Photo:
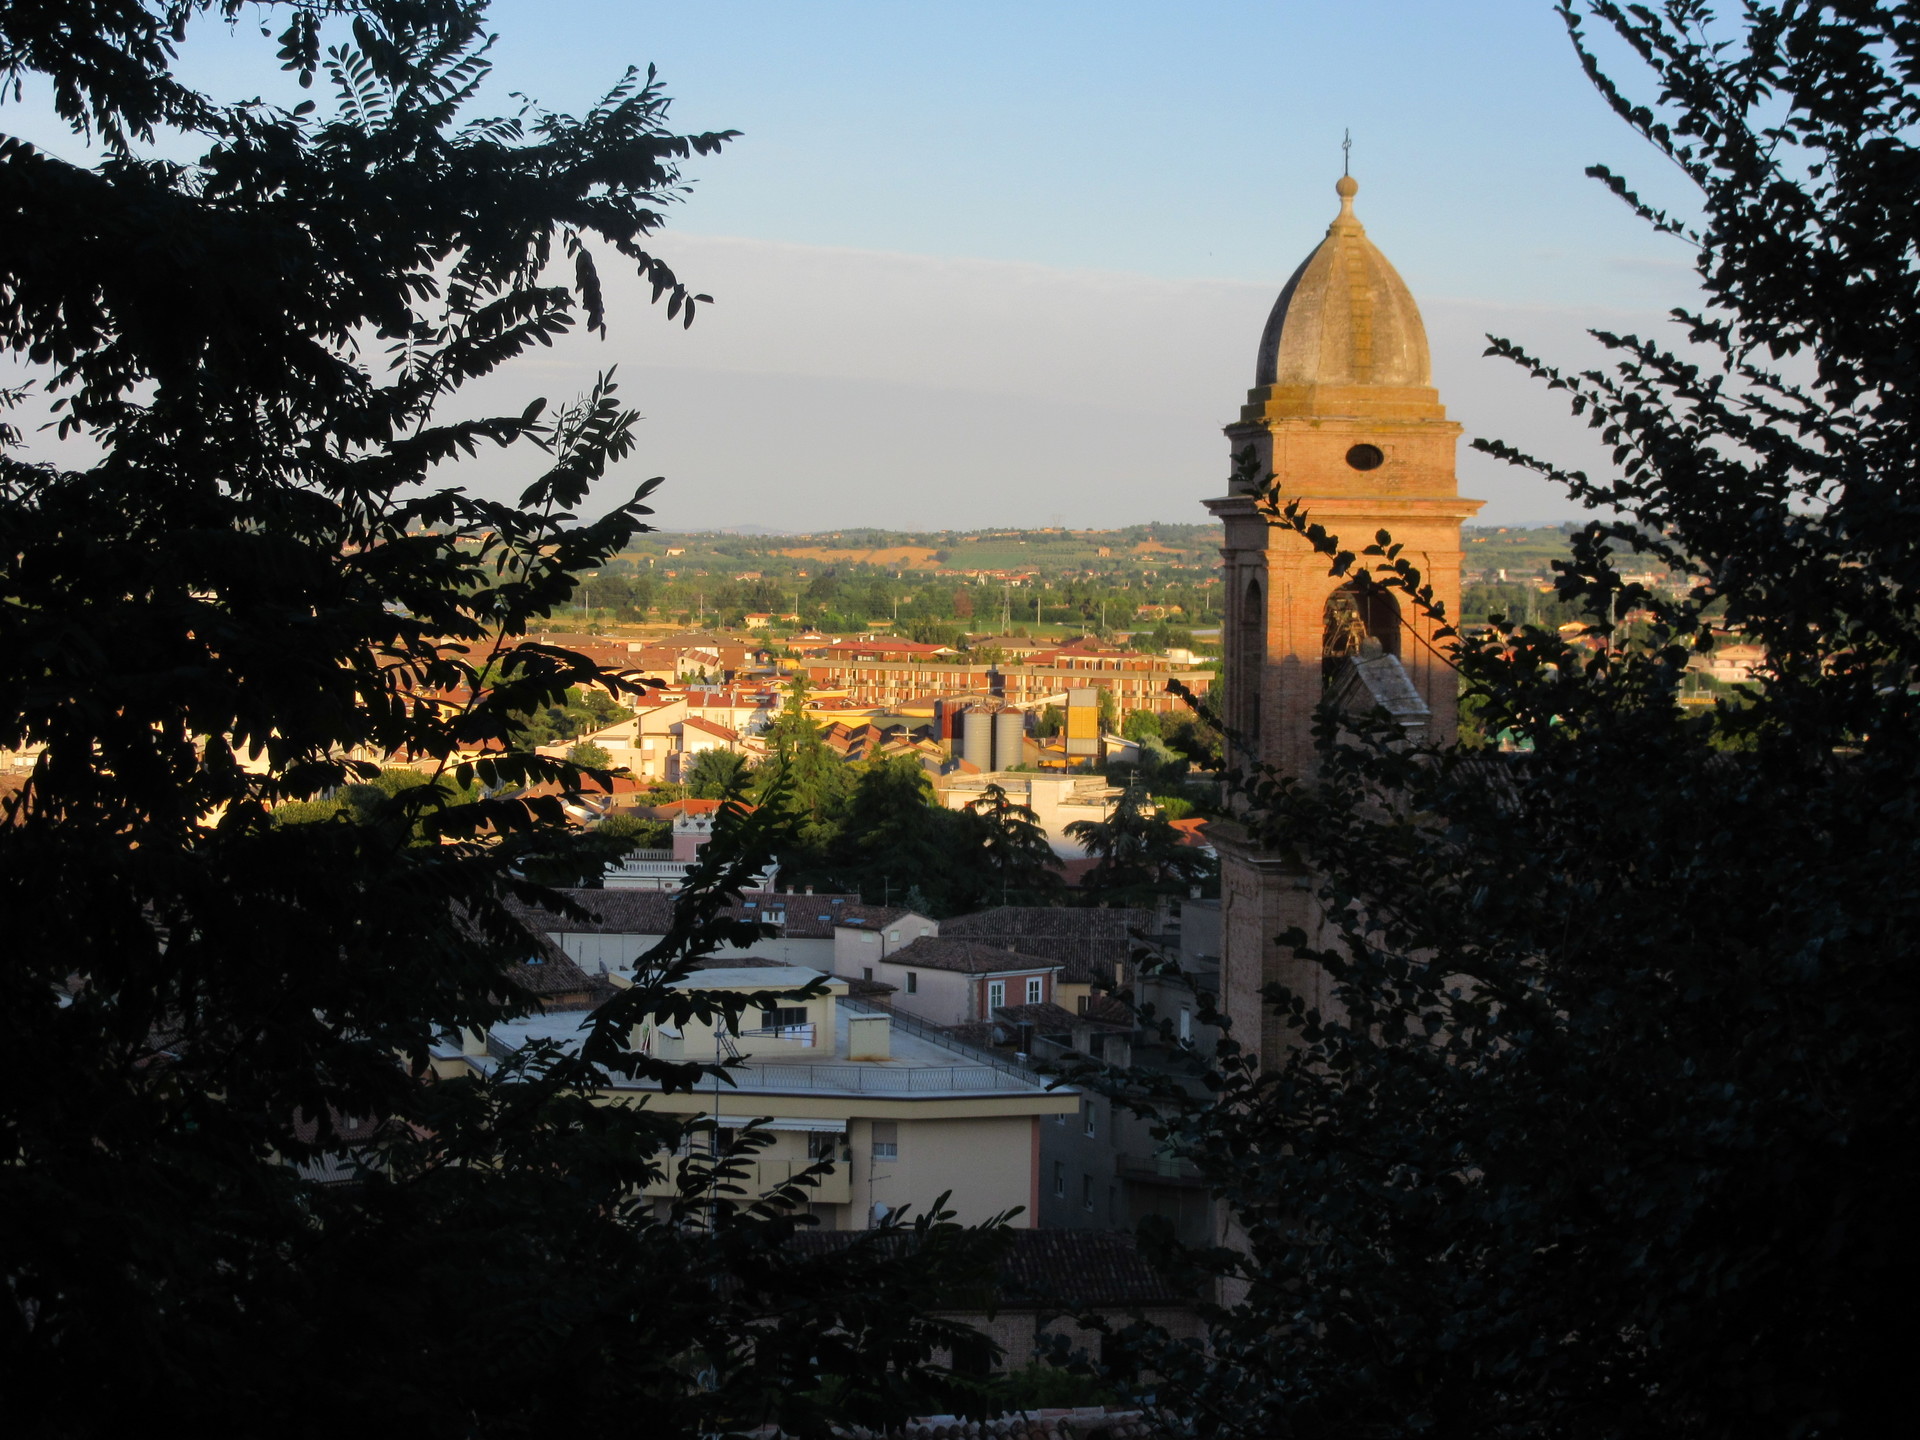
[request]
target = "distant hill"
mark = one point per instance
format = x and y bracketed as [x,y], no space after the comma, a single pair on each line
[1136,550]
[936,583]
[1525,552]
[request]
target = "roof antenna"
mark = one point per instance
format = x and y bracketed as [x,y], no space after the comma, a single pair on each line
[1346,152]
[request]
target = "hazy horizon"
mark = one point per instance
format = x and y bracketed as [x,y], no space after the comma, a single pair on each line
[996,263]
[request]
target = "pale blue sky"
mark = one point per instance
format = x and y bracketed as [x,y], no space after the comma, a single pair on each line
[1183,140]
[987,263]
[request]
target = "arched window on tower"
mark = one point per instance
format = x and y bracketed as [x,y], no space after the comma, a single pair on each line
[1357,612]
[1250,652]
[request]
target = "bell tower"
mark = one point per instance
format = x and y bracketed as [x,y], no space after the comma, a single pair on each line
[1344,414]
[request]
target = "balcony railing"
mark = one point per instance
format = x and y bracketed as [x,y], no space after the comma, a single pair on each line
[833,1188]
[914,1025]
[874,1079]
[1163,1168]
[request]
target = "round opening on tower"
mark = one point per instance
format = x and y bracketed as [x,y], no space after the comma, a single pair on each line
[1366,457]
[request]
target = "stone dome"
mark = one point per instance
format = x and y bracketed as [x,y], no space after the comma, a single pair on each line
[1346,317]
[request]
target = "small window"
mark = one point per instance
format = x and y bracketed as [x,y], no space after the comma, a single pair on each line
[1060,1179]
[913,982]
[869,939]
[826,1145]
[1186,1023]
[1086,1193]
[1035,988]
[925,931]
[1088,1116]
[893,936]
[886,1140]
[779,1018]
[973,1356]
[996,994]
[866,972]
[1366,457]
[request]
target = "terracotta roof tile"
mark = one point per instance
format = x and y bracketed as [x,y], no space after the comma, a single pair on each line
[1088,944]
[870,917]
[650,912]
[550,974]
[966,957]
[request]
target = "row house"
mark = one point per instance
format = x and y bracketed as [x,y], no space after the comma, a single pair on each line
[644,742]
[1137,686]
[873,648]
[692,737]
[660,739]
[893,682]
[744,710]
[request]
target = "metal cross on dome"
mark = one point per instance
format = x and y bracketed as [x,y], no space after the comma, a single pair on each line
[1346,152]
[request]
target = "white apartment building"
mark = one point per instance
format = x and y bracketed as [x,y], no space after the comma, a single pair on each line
[1056,800]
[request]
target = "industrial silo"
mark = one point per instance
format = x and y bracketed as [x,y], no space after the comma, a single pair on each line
[976,738]
[1009,739]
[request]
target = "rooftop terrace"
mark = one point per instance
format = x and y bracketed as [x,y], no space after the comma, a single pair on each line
[919,1064]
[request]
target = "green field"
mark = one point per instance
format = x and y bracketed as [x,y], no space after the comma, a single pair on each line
[942,581]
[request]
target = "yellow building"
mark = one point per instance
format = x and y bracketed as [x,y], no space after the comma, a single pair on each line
[901,1116]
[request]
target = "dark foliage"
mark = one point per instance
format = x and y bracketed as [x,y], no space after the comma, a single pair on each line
[714,773]
[1611,1129]
[262,578]
[1140,855]
[876,827]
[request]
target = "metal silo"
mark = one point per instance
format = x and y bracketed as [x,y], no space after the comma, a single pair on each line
[976,738]
[1009,739]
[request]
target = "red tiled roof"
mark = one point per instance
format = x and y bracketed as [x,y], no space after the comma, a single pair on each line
[674,809]
[1088,943]
[965,957]
[869,917]
[650,912]
[1046,1017]
[1106,1011]
[1074,871]
[1192,830]
[711,728]
[550,975]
